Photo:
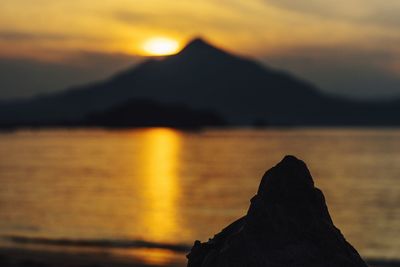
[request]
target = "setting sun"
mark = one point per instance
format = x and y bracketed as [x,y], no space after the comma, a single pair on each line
[161,46]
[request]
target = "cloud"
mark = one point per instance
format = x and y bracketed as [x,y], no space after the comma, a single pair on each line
[346,71]
[24,36]
[43,77]
[40,36]
[367,12]
[179,21]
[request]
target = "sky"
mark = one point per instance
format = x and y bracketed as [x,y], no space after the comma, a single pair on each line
[345,47]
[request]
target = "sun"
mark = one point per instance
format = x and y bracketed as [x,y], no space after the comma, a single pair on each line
[160,46]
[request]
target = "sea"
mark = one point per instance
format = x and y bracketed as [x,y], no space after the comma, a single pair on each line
[149,193]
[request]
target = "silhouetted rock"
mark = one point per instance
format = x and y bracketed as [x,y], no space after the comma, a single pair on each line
[287,225]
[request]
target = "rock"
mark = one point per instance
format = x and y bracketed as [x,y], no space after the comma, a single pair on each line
[287,225]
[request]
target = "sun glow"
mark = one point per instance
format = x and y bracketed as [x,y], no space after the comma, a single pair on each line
[160,46]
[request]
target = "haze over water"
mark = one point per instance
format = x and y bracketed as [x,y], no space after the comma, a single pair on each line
[165,186]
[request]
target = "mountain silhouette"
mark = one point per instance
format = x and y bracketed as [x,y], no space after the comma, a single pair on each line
[203,76]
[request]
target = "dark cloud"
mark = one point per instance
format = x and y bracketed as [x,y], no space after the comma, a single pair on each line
[24,77]
[346,71]
[25,36]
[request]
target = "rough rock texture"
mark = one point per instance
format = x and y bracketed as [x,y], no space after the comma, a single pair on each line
[287,225]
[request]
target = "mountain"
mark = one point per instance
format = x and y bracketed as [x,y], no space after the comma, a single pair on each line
[203,76]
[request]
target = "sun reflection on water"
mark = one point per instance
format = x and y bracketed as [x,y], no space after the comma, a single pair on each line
[161,149]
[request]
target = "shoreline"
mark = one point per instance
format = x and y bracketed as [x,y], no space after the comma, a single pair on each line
[24,257]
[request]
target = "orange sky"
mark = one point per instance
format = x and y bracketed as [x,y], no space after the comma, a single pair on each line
[42,27]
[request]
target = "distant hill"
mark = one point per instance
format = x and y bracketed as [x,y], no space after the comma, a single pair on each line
[202,76]
[145,113]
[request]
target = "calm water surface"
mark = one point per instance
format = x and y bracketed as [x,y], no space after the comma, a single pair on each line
[162,185]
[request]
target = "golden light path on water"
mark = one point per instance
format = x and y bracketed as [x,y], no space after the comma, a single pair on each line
[160,167]
[160,158]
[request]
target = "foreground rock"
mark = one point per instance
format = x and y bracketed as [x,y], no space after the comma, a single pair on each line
[287,225]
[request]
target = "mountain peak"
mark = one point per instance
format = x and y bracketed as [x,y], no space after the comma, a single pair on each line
[198,41]
[199,45]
